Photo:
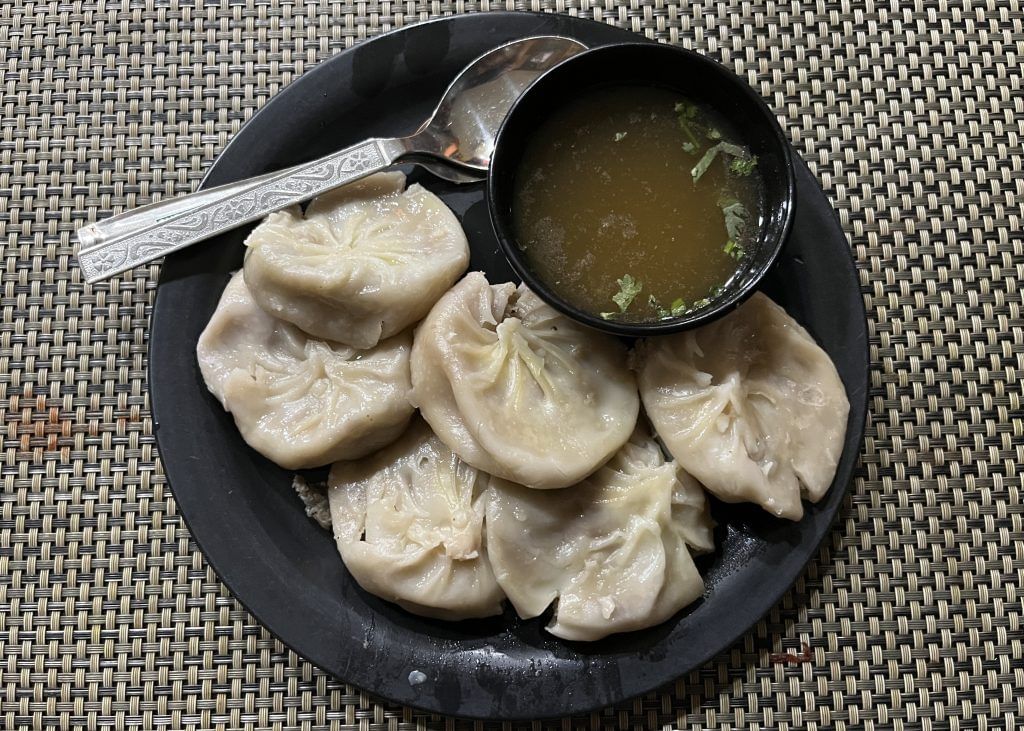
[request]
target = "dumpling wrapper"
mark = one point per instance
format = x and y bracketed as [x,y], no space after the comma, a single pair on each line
[299,401]
[365,262]
[408,523]
[750,405]
[518,390]
[613,550]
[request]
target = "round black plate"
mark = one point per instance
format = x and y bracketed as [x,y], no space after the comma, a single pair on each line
[285,570]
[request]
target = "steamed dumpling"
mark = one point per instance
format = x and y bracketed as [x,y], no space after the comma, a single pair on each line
[299,401]
[750,405]
[408,522]
[518,390]
[365,262]
[612,551]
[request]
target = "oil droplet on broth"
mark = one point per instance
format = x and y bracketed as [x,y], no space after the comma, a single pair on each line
[605,189]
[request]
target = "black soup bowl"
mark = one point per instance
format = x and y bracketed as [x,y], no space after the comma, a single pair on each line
[701,80]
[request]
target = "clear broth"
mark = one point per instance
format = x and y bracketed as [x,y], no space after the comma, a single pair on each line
[605,189]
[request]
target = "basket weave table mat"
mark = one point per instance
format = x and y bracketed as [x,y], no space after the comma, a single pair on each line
[910,114]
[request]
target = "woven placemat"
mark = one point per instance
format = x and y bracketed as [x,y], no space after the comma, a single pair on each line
[912,117]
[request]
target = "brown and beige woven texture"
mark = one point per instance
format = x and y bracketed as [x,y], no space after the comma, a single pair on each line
[911,114]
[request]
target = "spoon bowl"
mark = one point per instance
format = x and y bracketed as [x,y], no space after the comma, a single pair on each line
[465,124]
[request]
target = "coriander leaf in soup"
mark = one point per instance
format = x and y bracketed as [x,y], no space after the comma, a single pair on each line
[734,250]
[629,288]
[687,113]
[704,163]
[735,218]
[732,150]
[677,308]
[686,110]
[656,306]
[742,167]
[619,136]
[737,152]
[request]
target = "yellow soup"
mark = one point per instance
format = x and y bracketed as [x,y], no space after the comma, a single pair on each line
[635,204]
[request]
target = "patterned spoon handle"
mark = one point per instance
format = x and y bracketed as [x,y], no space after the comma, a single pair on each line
[142,217]
[137,219]
[213,214]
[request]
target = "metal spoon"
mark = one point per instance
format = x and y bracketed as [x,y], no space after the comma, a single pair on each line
[460,133]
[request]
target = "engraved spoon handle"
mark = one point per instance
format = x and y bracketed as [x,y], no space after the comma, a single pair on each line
[129,222]
[214,214]
[98,233]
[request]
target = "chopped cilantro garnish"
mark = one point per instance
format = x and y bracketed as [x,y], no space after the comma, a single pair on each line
[726,148]
[686,109]
[677,308]
[608,315]
[705,301]
[735,224]
[740,166]
[687,113]
[713,134]
[629,288]
[735,218]
[734,150]
[734,250]
[656,306]
[705,162]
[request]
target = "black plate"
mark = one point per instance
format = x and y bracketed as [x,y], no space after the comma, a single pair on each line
[285,570]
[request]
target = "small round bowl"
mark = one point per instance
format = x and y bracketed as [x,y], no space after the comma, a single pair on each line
[696,77]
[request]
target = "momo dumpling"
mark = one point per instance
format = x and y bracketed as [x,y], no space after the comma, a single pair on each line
[613,551]
[750,405]
[518,390]
[365,262]
[409,525]
[299,401]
